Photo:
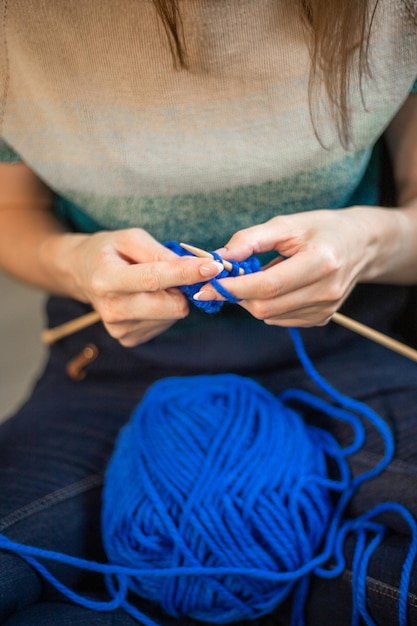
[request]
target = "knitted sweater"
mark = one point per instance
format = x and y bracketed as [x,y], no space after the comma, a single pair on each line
[92,102]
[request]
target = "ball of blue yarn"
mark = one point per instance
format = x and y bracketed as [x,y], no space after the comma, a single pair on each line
[219,484]
[217,503]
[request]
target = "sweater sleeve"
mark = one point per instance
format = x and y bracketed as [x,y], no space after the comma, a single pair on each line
[7,154]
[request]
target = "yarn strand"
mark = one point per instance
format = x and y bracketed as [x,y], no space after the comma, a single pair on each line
[218,504]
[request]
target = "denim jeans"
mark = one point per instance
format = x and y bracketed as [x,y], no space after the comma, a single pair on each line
[54,451]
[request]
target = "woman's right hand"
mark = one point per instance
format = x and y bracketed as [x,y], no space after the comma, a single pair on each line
[129,278]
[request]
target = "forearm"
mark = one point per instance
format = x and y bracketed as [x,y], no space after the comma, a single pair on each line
[33,246]
[392,246]
[399,226]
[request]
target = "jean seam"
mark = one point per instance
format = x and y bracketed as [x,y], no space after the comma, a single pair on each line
[396,466]
[383,589]
[96,480]
[55,497]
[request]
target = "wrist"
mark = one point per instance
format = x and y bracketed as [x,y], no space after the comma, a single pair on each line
[389,246]
[57,257]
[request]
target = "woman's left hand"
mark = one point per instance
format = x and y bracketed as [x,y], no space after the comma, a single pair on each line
[326,253]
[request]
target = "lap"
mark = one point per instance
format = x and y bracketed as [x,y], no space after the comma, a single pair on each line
[54,452]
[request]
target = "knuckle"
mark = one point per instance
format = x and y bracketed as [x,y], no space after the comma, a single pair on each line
[129,342]
[132,235]
[125,336]
[122,333]
[328,312]
[241,237]
[335,292]
[187,273]
[150,279]
[178,306]
[135,232]
[260,311]
[114,331]
[108,315]
[324,321]
[269,288]
[184,273]
[182,309]
[110,310]
[331,262]
[98,284]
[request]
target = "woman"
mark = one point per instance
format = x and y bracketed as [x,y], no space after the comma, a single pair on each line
[226,124]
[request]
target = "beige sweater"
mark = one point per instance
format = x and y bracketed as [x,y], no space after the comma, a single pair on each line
[91,101]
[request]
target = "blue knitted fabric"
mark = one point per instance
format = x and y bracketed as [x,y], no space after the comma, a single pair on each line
[213,306]
[217,502]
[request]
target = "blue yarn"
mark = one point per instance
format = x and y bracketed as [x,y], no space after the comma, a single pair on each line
[213,306]
[217,503]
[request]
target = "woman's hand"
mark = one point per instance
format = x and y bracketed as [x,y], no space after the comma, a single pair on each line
[326,253]
[129,278]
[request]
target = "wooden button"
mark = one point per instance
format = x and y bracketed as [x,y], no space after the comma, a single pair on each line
[76,366]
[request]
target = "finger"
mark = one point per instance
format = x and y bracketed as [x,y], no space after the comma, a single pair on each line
[312,305]
[153,277]
[296,273]
[257,239]
[130,335]
[139,246]
[310,315]
[133,308]
[297,322]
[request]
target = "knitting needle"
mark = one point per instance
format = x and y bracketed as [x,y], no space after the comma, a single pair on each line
[338,318]
[207,255]
[51,335]
[375,335]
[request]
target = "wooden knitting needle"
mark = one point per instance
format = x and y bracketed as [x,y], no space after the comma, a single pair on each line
[207,255]
[51,335]
[375,335]
[338,318]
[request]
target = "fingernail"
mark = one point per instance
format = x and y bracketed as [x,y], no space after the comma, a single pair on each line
[211,269]
[205,295]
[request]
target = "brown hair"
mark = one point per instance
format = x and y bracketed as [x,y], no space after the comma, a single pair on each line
[339,34]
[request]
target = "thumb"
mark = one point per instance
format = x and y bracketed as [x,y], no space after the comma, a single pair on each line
[251,241]
[138,246]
